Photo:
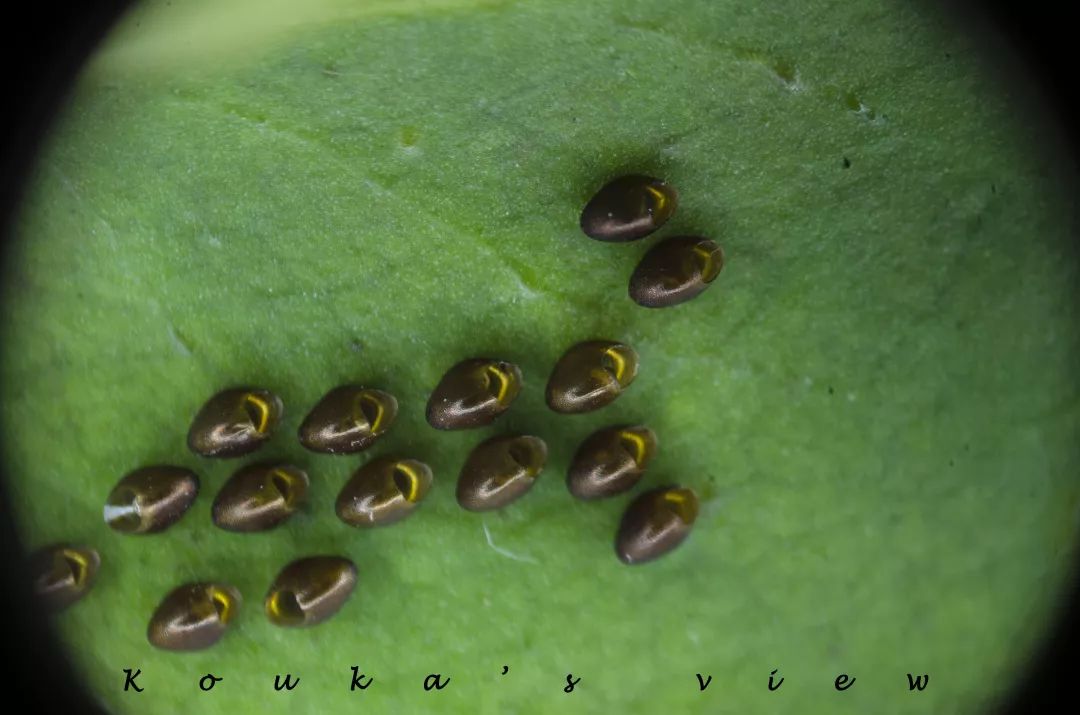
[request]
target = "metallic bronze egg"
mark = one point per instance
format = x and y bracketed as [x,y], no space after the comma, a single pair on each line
[63,573]
[348,419]
[259,497]
[655,523]
[150,499]
[590,375]
[675,270]
[310,590]
[473,393]
[383,491]
[499,471]
[628,208]
[235,422]
[610,461]
[193,616]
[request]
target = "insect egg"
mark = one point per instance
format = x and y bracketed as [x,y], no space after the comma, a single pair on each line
[383,491]
[310,590]
[63,573]
[591,375]
[499,471]
[628,208]
[473,393]
[193,616]
[150,499]
[610,461]
[655,523]
[259,497]
[348,419]
[234,422]
[675,270]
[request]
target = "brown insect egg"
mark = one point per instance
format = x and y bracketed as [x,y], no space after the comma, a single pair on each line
[610,461]
[234,422]
[628,208]
[473,393]
[499,471]
[383,491]
[655,523]
[63,573]
[675,270]
[348,419]
[591,375]
[150,499]
[310,590]
[259,497]
[193,616]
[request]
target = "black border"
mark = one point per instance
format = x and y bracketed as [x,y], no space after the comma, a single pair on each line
[43,51]
[44,47]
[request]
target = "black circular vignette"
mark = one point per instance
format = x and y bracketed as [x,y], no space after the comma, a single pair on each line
[54,44]
[44,49]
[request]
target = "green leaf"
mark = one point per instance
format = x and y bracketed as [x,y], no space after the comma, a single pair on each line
[877,400]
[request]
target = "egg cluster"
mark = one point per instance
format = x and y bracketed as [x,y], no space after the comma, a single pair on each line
[351,418]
